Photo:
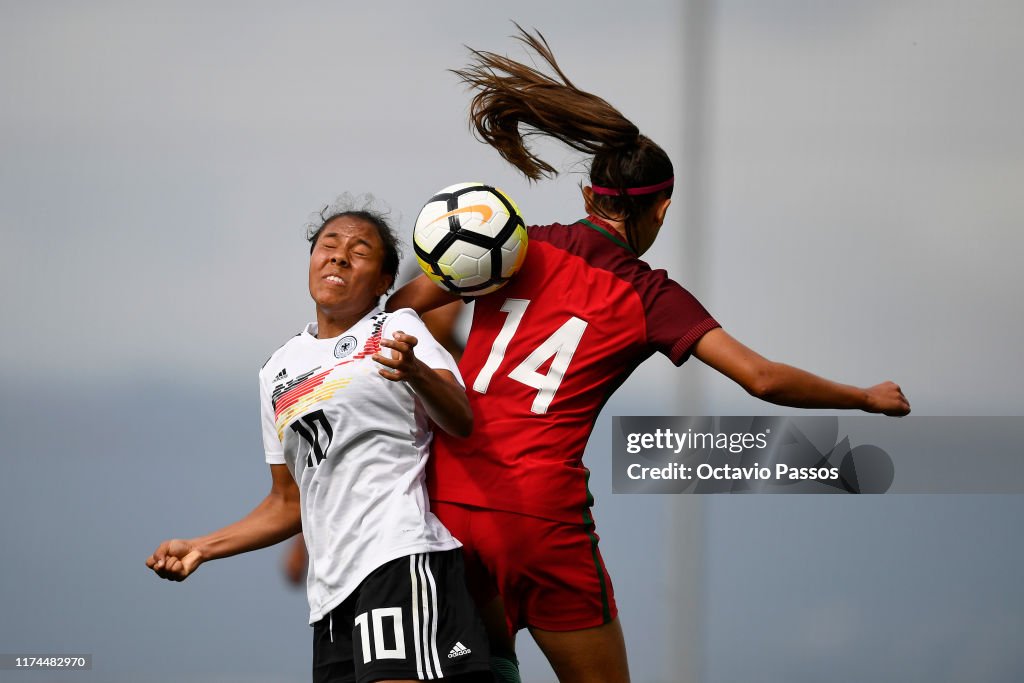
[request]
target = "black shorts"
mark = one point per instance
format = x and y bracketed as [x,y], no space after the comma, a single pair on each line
[412,618]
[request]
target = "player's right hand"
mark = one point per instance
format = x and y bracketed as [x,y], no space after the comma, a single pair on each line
[175,559]
[887,398]
[296,561]
[401,366]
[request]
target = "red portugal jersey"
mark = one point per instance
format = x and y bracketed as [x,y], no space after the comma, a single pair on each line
[544,354]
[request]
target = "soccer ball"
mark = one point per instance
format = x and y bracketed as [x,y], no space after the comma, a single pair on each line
[470,238]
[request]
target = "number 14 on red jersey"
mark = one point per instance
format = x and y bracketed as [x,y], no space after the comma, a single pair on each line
[561,345]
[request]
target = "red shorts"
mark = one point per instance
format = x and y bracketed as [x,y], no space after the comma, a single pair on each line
[550,575]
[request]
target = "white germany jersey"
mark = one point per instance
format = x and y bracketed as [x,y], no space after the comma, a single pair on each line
[357,445]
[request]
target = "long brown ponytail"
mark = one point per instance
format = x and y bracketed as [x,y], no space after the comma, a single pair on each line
[514,101]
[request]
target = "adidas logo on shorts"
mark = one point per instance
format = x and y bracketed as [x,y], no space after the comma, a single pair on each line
[458,651]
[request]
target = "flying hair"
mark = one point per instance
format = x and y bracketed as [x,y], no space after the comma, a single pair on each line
[629,172]
[515,101]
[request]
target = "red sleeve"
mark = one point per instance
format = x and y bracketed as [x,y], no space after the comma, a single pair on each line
[675,319]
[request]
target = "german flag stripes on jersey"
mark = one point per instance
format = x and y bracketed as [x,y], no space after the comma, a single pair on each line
[295,397]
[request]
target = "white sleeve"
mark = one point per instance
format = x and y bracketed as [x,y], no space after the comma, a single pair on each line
[271,442]
[427,349]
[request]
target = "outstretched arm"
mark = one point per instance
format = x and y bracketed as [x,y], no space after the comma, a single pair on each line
[789,386]
[421,295]
[272,521]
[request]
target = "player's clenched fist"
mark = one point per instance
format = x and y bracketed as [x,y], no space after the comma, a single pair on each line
[887,398]
[175,559]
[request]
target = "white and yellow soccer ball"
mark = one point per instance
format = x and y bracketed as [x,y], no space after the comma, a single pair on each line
[470,238]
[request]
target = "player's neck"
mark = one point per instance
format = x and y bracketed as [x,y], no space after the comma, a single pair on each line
[332,323]
[614,226]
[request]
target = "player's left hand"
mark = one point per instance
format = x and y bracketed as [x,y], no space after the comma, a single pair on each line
[402,365]
[887,398]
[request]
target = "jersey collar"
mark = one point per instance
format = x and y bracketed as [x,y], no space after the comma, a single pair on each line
[601,226]
[311,329]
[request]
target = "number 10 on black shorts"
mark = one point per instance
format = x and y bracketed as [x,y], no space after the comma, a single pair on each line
[412,618]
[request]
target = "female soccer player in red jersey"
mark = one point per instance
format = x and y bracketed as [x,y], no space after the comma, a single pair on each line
[546,351]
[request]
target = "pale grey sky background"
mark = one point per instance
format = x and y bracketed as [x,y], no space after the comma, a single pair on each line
[862,194]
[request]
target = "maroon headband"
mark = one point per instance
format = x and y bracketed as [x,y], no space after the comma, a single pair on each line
[633,191]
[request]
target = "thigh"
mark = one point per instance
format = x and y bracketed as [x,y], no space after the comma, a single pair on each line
[414,619]
[564,585]
[548,574]
[594,655]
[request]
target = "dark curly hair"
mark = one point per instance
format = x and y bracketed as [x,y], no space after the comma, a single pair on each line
[363,208]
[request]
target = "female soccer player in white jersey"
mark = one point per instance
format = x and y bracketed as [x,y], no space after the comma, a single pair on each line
[546,351]
[346,435]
